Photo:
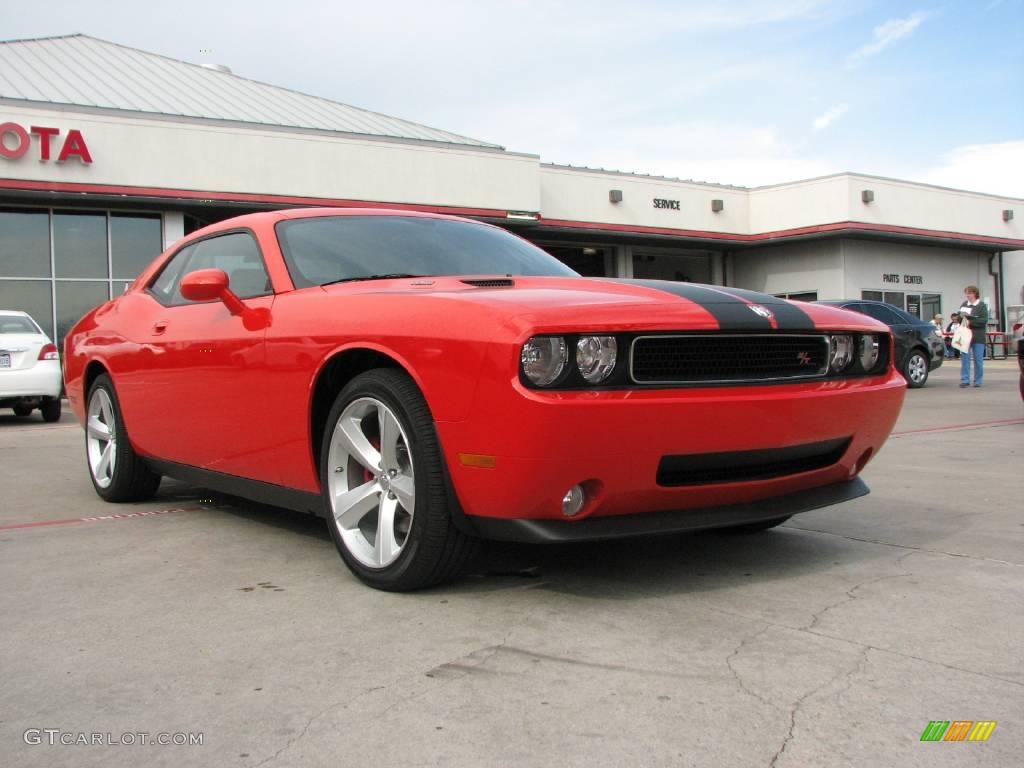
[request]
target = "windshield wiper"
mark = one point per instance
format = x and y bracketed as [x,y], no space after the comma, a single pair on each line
[388,276]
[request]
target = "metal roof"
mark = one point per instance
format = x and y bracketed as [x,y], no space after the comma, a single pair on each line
[80,70]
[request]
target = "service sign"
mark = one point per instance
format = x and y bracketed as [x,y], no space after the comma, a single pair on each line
[46,143]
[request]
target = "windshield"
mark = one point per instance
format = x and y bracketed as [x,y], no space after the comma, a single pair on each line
[17,324]
[328,249]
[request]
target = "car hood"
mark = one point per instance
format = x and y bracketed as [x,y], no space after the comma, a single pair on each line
[557,303]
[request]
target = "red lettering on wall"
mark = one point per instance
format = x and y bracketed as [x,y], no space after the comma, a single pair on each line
[74,146]
[23,141]
[44,134]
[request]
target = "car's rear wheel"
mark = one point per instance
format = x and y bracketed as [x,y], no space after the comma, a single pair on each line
[385,486]
[50,409]
[764,525]
[117,472]
[915,369]
[22,410]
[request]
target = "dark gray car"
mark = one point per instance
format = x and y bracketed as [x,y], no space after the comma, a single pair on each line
[919,347]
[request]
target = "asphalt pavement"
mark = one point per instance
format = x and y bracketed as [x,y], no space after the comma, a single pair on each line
[833,640]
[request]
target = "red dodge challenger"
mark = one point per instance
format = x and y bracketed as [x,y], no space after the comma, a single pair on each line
[425,381]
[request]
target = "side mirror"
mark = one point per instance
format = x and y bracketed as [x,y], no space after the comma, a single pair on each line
[210,284]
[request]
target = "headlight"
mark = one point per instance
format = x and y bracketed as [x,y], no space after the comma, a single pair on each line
[595,357]
[543,359]
[868,351]
[841,352]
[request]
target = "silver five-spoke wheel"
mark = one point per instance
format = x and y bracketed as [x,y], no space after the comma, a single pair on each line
[371,483]
[101,438]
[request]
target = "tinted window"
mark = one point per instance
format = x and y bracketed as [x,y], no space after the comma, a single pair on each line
[134,242]
[74,299]
[80,245]
[237,254]
[24,244]
[879,312]
[17,324]
[331,248]
[31,296]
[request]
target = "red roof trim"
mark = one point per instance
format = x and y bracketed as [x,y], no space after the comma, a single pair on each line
[245,197]
[237,197]
[857,226]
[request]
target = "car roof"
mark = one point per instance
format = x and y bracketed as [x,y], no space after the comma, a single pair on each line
[309,213]
[10,312]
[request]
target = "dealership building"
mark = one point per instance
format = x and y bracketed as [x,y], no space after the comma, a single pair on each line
[109,154]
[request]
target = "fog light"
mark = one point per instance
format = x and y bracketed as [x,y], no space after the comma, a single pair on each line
[573,501]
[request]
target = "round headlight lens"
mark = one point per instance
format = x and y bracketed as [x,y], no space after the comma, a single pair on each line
[868,351]
[595,357]
[543,359]
[841,352]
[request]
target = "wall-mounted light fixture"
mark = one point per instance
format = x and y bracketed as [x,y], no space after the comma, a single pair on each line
[615,195]
[717,206]
[867,196]
[590,251]
[1008,214]
[521,216]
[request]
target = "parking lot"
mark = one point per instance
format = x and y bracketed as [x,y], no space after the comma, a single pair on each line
[832,640]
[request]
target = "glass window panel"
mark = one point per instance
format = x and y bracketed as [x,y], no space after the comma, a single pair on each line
[74,299]
[134,242]
[24,243]
[32,296]
[80,244]
[239,256]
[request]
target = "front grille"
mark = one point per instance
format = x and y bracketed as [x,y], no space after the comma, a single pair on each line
[741,466]
[716,358]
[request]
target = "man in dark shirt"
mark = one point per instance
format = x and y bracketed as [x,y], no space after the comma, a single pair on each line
[974,313]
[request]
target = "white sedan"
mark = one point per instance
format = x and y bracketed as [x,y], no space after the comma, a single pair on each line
[30,375]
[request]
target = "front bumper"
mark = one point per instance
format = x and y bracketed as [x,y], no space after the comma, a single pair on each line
[536,445]
[651,523]
[41,380]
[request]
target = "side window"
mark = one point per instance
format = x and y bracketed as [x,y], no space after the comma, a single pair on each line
[237,254]
[165,287]
[881,313]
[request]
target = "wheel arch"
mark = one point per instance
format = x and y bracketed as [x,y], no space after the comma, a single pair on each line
[93,370]
[337,371]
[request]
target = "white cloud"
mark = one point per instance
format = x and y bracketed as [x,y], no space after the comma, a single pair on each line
[996,169]
[886,34]
[821,122]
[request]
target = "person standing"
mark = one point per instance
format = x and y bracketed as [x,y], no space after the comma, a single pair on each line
[973,313]
[954,323]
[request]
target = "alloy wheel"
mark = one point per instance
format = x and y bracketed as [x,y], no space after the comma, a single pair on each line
[371,482]
[101,438]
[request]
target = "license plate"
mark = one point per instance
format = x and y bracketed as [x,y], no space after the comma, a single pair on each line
[5,360]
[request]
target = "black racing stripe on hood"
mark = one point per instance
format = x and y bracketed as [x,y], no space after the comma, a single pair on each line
[788,316]
[731,312]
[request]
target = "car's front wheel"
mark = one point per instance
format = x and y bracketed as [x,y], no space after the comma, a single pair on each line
[385,486]
[915,370]
[117,472]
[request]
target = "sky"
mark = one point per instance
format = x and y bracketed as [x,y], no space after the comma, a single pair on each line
[734,91]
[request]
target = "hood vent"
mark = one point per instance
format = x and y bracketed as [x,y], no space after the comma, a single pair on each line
[491,282]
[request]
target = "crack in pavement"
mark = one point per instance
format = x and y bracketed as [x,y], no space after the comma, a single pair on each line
[850,595]
[795,709]
[736,674]
[905,546]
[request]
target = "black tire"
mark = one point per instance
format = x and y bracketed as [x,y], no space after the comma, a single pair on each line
[764,525]
[432,549]
[131,478]
[50,410]
[21,411]
[916,369]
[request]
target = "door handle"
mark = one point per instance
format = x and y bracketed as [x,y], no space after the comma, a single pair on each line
[159,326]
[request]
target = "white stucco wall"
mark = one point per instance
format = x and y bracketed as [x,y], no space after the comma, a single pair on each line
[192,155]
[791,268]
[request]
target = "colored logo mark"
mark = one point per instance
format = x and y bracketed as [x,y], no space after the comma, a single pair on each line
[958,730]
